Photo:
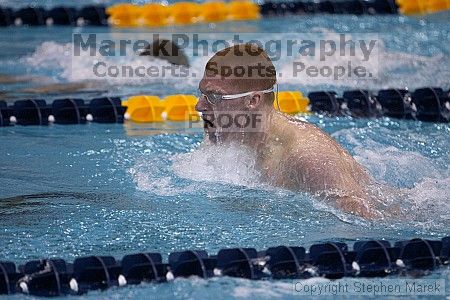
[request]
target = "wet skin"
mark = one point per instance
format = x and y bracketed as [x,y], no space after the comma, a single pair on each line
[291,154]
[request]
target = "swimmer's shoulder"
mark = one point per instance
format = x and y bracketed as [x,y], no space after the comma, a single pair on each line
[299,130]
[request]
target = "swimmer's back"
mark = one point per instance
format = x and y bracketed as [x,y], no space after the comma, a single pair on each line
[316,160]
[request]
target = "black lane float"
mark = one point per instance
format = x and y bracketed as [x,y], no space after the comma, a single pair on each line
[333,260]
[62,111]
[355,7]
[425,104]
[95,15]
[429,104]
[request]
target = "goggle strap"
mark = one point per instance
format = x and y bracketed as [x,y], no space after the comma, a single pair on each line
[235,96]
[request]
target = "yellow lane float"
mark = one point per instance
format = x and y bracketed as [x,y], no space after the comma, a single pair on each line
[243,11]
[124,15]
[181,108]
[291,102]
[415,7]
[181,13]
[144,109]
[147,108]
[155,15]
[213,12]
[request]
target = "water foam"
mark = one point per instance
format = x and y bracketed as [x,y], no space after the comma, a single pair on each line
[418,184]
[193,172]
[397,167]
[58,59]
[390,68]
[151,176]
[231,164]
[393,68]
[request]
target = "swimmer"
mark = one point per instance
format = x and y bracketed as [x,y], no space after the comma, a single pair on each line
[166,50]
[47,89]
[291,154]
[161,49]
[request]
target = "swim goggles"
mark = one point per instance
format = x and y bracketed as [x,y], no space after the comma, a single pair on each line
[213,98]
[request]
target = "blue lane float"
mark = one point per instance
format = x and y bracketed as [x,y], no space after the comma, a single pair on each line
[5,114]
[96,15]
[419,254]
[362,103]
[9,278]
[239,262]
[445,251]
[381,7]
[285,262]
[432,104]
[47,277]
[62,16]
[107,110]
[31,16]
[325,102]
[62,111]
[375,258]
[93,15]
[425,104]
[143,267]
[355,7]
[6,16]
[397,103]
[284,8]
[94,273]
[331,260]
[334,260]
[31,112]
[69,111]
[191,263]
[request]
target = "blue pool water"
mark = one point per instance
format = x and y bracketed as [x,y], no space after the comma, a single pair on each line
[68,191]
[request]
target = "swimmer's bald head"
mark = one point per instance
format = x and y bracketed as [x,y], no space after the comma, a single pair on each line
[238,69]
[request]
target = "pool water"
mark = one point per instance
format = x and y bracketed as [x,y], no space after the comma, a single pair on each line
[68,191]
[411,53]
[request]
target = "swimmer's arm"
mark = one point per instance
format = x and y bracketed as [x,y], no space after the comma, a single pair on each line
[355,205]
[324,178]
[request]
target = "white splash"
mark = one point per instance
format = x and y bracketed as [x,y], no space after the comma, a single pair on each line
[59,57]
[147,175]
[419,185]
[390,69]
[393,165]
[232,164]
